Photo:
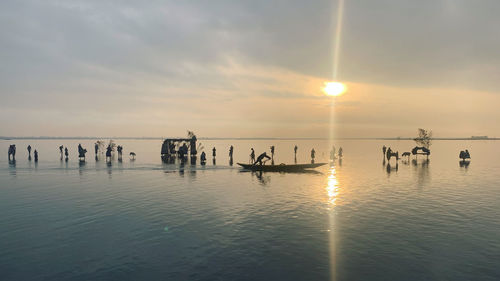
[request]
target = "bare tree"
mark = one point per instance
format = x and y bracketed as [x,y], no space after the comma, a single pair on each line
[190,134]
[424,138]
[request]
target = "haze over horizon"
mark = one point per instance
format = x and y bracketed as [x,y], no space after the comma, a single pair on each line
[248,69]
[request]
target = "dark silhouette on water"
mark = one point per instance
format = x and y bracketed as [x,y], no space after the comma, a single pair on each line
[252,156]
[108,153]
[120,151]
[29,152]
[66,153]
[35,153]
[12,152]
[313,155]
[272,153]
[203,158]
[231,149]
[168,147]
[341,152]
[132,154]
[260,159]
[61,151]
[96,148]
[384,150]
[464,155]
[214,152]
[81,153]
[422,150]
[390,154]
[406,154]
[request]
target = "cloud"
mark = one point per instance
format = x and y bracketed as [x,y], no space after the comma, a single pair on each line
[161,66]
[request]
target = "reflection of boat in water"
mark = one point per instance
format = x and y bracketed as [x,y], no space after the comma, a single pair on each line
[281,167]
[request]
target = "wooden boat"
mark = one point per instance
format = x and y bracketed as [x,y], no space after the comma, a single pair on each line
[281,167]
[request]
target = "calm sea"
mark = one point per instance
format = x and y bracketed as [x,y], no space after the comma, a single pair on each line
[354,220]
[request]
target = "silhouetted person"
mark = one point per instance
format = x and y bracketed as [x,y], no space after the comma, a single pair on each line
[12,152]
[464,155]
[313,155]
[231,148]
[252,156]
[213,152]
[260,158]
[108,153]
[66,152]
[133,155]
[29,151]
[61,151]
[384,149]
[341,152]
[295,152]
[96,148]
[272,152]
[81,152]
[120,151]
[36,155]
[203,158]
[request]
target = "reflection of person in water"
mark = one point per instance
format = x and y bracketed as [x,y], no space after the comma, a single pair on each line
[261,158]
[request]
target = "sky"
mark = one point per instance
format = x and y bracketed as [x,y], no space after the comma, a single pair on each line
[248,68]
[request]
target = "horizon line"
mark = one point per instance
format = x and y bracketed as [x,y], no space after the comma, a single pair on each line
[233,138]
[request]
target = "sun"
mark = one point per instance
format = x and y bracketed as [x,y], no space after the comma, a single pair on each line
[334,88]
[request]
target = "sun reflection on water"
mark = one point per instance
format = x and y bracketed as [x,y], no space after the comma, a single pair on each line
[332,189]
[333,186]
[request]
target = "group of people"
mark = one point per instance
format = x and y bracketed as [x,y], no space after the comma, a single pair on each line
[12,153]
[263,157]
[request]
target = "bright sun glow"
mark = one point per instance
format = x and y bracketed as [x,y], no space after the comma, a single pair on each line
[334,88]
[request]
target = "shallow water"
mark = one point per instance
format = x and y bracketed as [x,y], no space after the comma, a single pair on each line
[355,220]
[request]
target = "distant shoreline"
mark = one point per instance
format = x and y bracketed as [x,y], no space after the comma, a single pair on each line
[229,138]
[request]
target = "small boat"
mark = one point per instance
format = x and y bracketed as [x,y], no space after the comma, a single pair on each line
[281,167]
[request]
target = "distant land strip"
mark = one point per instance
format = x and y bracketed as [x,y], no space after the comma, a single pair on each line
[232,138]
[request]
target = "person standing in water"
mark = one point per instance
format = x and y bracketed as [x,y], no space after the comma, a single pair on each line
[66,153]
[231,148]
[61,151]
[29,152]
[341,152]
[252,156]
[313,155]
[214,152]
[36,155]
[384,149]
[96,148]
